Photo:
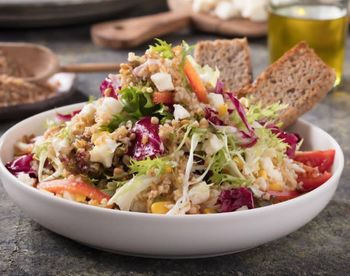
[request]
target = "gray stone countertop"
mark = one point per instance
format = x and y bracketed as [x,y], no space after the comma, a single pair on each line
[322,247]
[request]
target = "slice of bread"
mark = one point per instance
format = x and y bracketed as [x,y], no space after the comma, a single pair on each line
[299,78]
[231,57]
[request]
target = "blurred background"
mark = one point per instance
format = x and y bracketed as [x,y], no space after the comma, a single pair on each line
[104,31]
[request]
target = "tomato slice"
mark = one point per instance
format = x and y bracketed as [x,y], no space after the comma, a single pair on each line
[77,187]
[283,195]
[323,160]
[309,182]
[195,82]
[164,97]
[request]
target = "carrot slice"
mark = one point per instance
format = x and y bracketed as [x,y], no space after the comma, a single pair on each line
[164,97]
[59,186]
[195,82]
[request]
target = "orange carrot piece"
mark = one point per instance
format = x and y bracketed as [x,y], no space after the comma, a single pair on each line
[195,82]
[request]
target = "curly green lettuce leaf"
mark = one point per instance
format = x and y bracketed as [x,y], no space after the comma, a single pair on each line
[163,48]
[155,167]
[136,104]
[257,112]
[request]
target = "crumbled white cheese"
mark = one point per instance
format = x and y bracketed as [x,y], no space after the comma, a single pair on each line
[26,179]
[212,145]
[199,193]
[244,207]
[162,81]
[216,100]
[271,171]
[88,111]
[61,145]
[107,109]
[180,112]
[104,148]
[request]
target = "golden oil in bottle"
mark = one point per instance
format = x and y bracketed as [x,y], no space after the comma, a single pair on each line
[323,27]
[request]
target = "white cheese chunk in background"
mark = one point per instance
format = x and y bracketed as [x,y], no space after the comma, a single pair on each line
[199,193]
[107,109]
[104,153]
[254,10]
[212,145]
[203,5]
[226,10]
[104,148]
[216,100]
[180,112]
[162,81]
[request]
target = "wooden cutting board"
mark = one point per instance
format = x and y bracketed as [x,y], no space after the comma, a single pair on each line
[132,32]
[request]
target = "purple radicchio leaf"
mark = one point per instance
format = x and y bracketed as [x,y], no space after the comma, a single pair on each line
[233,199]
[249,138]
[22,164]
[292,139]
[147,141]
[109,86]
[219,88]
[67,117]
[212,116]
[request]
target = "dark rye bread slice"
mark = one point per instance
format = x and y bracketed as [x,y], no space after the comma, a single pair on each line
[231,57]
[299,78]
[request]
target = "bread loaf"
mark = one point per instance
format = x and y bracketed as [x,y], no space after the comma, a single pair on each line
[231,57]
[299,78]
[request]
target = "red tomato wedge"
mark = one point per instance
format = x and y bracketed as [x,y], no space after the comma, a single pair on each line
[164,97]
[283,196]
[195,82]
[309,182]
[323,160]
[76,187]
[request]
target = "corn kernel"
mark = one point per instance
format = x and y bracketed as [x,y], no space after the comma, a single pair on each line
[274,186]
[239,162]
[222,109]
[80,198]
[209,211]
[160,207]
[168,169]
[263,174]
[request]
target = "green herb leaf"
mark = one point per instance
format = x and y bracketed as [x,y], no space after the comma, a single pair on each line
[154,167]
[136,104]
[164,49]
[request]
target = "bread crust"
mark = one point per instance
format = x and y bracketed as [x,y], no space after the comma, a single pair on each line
[231,57]
[299,78]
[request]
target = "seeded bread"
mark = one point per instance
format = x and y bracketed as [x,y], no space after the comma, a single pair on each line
[299,78]
[231,57]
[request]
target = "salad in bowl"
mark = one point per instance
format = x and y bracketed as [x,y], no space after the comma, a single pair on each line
[166,137]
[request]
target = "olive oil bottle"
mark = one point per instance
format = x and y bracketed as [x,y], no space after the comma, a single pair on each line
[323,27]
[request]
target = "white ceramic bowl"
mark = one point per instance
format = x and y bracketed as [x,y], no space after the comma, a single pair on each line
[167,236]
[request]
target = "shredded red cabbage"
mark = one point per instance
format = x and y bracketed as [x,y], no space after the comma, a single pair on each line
[249,138]
[212,116]
[292,139]
[22,164]
[67,117]
[233,199]
[152,146]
